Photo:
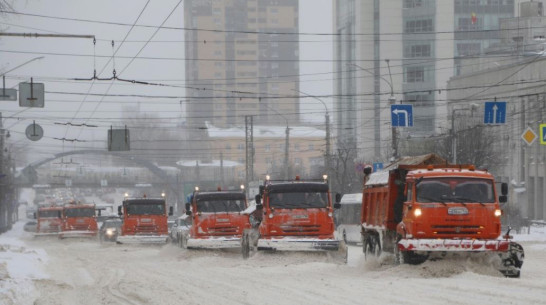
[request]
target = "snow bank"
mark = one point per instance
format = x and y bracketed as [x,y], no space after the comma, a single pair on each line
[19,267]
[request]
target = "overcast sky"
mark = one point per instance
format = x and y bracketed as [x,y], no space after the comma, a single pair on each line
[83,101]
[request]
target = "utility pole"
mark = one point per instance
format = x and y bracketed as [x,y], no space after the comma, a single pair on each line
[286,146]
[249,150]
[392,101]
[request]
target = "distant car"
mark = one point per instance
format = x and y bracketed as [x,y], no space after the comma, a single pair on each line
[181,224]
[109,230]
[30,226]
[347,218]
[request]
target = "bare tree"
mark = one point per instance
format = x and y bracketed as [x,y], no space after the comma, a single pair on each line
[344,176]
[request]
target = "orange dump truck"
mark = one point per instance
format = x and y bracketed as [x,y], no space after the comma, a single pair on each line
[421,208]
[48,220]
[78,220]
[144,221]
[217,220]
[293,215]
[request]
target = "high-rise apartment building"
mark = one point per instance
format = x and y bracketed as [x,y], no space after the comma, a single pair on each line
[242,59]
[408,49]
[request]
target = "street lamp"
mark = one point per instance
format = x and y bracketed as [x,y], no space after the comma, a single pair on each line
[392,100]
[327,119]
[286,142]
[452,132]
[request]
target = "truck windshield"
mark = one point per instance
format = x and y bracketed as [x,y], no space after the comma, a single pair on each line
[465,190]
[146,209]
[298,200]
[86,212]
[49,214]
[220,205]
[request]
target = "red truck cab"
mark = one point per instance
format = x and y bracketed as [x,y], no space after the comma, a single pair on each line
[78,220]
[292,216]
[144,220]
[217,221]
[48,220]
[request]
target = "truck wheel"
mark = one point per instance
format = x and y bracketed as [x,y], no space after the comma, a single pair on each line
[371,247]
[245,246]
[184,241]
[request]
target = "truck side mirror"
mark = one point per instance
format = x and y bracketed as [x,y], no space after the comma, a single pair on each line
[171,211]
[337,205]
[367,170]
[119,210]
[503,198]
[261,189]
[338,197]
[188,210]
[258,199]
[504,188]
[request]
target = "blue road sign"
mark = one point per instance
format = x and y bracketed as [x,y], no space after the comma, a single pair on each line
[495,113]
[401,115]
[377,166]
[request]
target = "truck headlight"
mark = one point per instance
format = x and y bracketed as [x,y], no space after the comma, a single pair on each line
[110,232]
[498,212]
[417,212]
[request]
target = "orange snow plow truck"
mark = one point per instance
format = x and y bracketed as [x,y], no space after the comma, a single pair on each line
[48,220]
[293,215]
[421,207]
[217,220]
[78,220]
[144,221]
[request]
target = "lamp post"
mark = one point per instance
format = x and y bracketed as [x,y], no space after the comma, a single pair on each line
[392,100]
[286,142]
[327,120]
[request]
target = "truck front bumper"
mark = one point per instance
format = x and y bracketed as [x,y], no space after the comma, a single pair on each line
[214,243]
[142,239]
[298,244]
[83,233]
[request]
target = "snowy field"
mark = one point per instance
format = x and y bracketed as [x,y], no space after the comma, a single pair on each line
[79,271]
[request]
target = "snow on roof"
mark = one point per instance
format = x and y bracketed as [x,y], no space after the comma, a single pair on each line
[378,178]
[265,132]
[213,163]
[351,198]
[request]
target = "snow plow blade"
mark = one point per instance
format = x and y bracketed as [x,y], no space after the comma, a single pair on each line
[453,245]
[511,253]
[42,234]
[299,244]
[69,234]
[142,239]
[214,243]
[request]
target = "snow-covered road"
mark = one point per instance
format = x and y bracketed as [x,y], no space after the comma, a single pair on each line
[78,271]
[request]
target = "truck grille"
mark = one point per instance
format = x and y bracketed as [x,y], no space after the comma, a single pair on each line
[457,230]
[145,228]
[223,230]
[300,228]
[77,227]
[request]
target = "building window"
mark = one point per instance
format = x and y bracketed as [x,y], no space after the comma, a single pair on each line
[297,147]
[415,74]
[415,51]
[241,146]
[267,147]
[297,161]
[311,147]
[228,146]
[419,26]
[465,49]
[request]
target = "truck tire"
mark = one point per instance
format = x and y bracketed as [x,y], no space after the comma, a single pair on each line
[371,246]
[245,246]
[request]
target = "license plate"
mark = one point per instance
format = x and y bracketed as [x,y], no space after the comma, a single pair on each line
[300,217]
[457,211]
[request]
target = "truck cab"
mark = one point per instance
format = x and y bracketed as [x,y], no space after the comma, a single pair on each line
[78,220]
[217,219]
[292,216]
[144,220]
[48,220]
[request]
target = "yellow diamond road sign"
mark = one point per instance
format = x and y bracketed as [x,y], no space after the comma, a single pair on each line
[529,136]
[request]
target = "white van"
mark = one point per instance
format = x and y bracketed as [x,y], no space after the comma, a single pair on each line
[347,218]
